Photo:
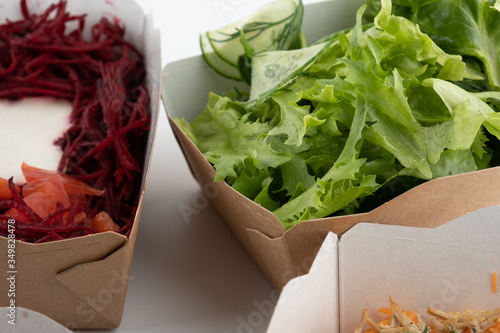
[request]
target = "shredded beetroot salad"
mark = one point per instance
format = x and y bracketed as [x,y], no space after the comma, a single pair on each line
[104,149]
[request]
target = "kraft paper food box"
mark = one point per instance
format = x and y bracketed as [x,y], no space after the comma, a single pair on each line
[450,268]
[82,282]
[280,254]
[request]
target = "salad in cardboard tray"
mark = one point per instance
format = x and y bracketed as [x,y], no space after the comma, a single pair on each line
[407,95]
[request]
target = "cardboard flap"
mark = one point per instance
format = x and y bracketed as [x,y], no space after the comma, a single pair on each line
[99,301]
[38,265]
[458,195]
[449,267]
[284,258]
[300,300]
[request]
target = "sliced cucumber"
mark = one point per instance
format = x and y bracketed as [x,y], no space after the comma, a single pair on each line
[216,63]
[274,70]
[275,26]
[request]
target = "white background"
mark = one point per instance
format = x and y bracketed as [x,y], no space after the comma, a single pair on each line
[190,275]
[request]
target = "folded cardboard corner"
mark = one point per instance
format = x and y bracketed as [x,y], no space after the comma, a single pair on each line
[99,286]
[69,281]
[95,299]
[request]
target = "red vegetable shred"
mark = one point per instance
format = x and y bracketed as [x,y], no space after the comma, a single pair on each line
[104,79]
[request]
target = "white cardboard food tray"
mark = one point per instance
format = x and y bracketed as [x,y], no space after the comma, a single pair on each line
[449,268]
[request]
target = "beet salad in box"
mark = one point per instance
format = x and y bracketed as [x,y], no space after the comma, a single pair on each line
[76,110]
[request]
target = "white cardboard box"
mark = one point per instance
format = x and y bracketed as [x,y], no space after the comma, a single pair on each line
[449,268]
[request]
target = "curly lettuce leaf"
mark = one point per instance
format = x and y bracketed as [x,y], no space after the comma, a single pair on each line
[464,27]
[231,141]
[295,119]
[341,185]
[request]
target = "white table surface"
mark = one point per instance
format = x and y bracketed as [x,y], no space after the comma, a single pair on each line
[190,275]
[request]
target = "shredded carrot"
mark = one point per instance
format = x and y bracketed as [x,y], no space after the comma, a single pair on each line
[386,311]
[494,282]
[495,328]
[399,320]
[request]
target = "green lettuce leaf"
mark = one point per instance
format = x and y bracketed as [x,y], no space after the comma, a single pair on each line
[231,141]
[340,186]
[462,27]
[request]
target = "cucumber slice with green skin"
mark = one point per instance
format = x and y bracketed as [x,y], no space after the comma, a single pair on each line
[275,70]
[216,63]
[275,26]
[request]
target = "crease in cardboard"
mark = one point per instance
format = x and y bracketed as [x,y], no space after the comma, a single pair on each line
[118,248]
[99,297]
[272,256]
[105,244]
